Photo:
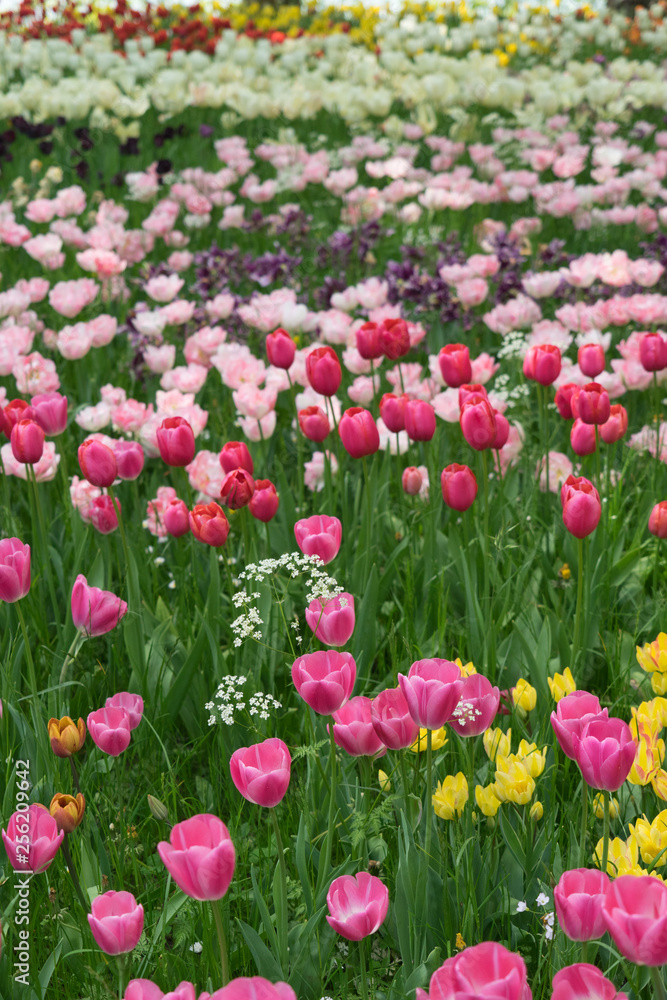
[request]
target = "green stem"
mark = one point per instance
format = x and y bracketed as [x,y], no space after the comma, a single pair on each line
[299,444]
[120,960]
[658,985]
[75,774]
[121,527]
[605,831]
[71,655]
[405,783]
[325,862]
[656,564]
[429,793]
[364,978]
[580,599]
[32,676]
[67,854]
[222,943]
[283,923]
[30,472]
[584,951]
[584,827]
[369,517]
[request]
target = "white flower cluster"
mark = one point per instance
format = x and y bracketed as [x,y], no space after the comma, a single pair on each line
[547,919]
[227,699]
[261,704]
[513,346]
[465,711]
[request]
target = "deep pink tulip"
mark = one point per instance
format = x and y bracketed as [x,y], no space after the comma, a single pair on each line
[235,455]
[455,367]
[591,359]
[471,391]
[280,349]
[323,371]
[103,514]
[657,521]
[109,729]
[572,715]
[357,905]
[563,399]
[582,438]
[502,431]
[209,524]
[314,423]
[14,569]
[98,463]
[319,535]
[459,486]
[477,707]
[394,338]
[132,703]
[653,352]
[353,729]
[616,425]
[38,852]
[200,857]
[325,679]
[368,341]
[177,518]
[484,971]
[432,690]
[264,502]
[333,622]
[478,424]
[95,611]
[635,914]
[145,989]
[392,411]
[237,489]
[129,459]
[581,506]
[605,751]
[583,982]
[27,439]
[574,485]
[390,716]
[15,410]
[542,364]
[593,404]
[252,988]
[261,772]
[411,481]
[50,412]
[116,920]
[578,899]
[176,441]
[358,432]
[419,420]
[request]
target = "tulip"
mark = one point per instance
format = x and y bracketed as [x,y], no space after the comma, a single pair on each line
[200,857]
[471,392]
[235,455]
[280,349]
[117,921]
[17,410]
[591,359]
[27,440]
[145,989]
[325,680]
[593,404]
[95,611]
[253,988]
[487,802]
[109,730]
[477,707]
[319,535]
[176,441]
[50,412]
[635,914]
[583,982]
[459,486]
[582,438]
[455,367]
[497,743]
[478,424]
[390,717]
[478,973]
[176,518]
[98,463]
[129,459]
[514,782]
[66,736]
[67,811]
[605,752]
[44,839]
[450,796]
[357,905]
[563,399]
[502,431]
[432,690]
[411,481]
[323,371]
[394,338]
[616,425]
[314,423]
[419,420]
[578,899]
[657,522]
[572,715]
[653,352]
[542,363]
[261,772]
[581,507]
[333,622]
[264,502]
[392,411]
[368,341]
[103,514]
[353,729]
[358,432]
[14,570]
[209,524]
[132,703]
[237,489]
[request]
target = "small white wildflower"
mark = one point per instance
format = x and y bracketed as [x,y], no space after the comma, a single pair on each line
[172,585]
[542,899]
[197,947]
[521,907]
[159,560]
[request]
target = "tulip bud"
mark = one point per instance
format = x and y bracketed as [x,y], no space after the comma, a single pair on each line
[502,431]
[455,367]
[15,410]
[66,736]
[314,423]
[176,441]
[67,811]
[324,371]
[582,438]
[392,411]
[470,391]
[209,524]
[177,518]
[158,809]
[237,489]
[102,514]
[581,508]
[563,399]
[591,359]
[98,463]
[368,341]
[27,440]
[657,522]
[264,502]
[459,486]
[394,338]
[280,349]
[235,455]
[411,481]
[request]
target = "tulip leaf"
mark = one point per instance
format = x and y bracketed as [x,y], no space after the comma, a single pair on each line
[173,703]
[364,636]
[511,838]
[302,865]
[267,965]
[267,922]
[301,939]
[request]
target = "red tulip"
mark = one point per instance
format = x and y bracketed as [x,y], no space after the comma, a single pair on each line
[392,411]
[502,431]
[542,363]
[176,441]
[470,391]
[563,399]
[593,404]
[209,524]
[27,440]
[419,420]
[237,489]
[394,338]
[235,455]
[368,341]
[455,367]
[324,371]
[478,424]
[657,522]
[459,486]
[264,502]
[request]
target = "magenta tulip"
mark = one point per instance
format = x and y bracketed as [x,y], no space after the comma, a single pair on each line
[542,363]
[319,535]
[583,982]
[116,920]
[392,411]
[563,399]
[280,349]
[477,707]
[103,514]
[176,441]
[419,420]
[358,432]
[593,404]
[471,392]
[98,463]
[478,424]
[237,489]
[394,338]
[581,506]
[325,680]
[252,988]
[35,854]
[591,359]
[635,914]
[353,729]
[455,367]
[323,371]
[605,751]
[657,522]
[27,440]
[357,905]
[432,690]
[333,622]
[653,352]
[263,504]
[50,411]
[145,989]
[582,438]
[391,719]
[177,518]
[314,423]
[459,486]
[578,899]
[132,703]
[481,972]
[14,570]
[368,341]
[502,431]
[572,715]
[235,455]
[129,459]
[110,730]
[200,857]
[95,611]
[261,772]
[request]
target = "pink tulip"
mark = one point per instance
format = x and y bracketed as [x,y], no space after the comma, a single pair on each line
[95,611]
[325,680]
[36,854]
[542,363]
[176,518]
[323,371]
[635,914]
[237,489]
[616,426]
[593,404]
[368,341]
[478,424]
[578,899]
[145,989]
[605,751]
[280,349]
[209,524]
[392,411]
[353,729]
[314,423]
[50,412]
[116,920]
[110,730]
[582,438]
[502,431]
[176,441]
[129,459]
[264,502]
[455,367]
[563,399]
[432,690]
[583,982]
[484,971]
[235,455]
[394,338]
[14,570]
[27,439]
[581,506]
[477,707]
[657,522]
[572,715]
[591,359]
[252,988]
[98,463]
[319,535]
[469,392]
[132,703]
[391,720]
[411,481]
[358,432]
[200,857]
[653,352]
[357,905]
[459,486]
[261,772]
[333,623]
[102,514]
[419,420]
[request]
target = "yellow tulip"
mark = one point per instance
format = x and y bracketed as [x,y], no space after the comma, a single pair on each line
[513,782]
[385,783]
[652,838]
[598,806]
[524,695]
[536,811]
[497,742]
[467,669]
[450,796]
[623,856]
[561,684]
[653,655]
[531,758]
[486,799]
[438,739]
